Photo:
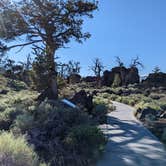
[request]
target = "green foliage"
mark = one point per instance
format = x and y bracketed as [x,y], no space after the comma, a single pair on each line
[86,140]
[7,117]
[99,112]
[49,124]
[23,123]
[14,104]
[16,151]
[3,82]
[61,82]
[40,72]
[100,100]
[17,85]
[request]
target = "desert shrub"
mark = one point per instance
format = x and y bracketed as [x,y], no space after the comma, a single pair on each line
[99,112]
[100,100]
[47,126]
[151,105]
[16,151]
[61,82]
[106,95]
[86,140]
[162,105]
[113,97]
[164,135]
[67,92]
[155,96]
[17,85]
[132,102]
[23,123]
[7,117]
[14,104]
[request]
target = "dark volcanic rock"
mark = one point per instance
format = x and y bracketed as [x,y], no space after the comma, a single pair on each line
[108,78]
[141,114]
[90,79]
[47,93]
[163,116]
[155,80]
[127,76]
[84,99]
[74,78]
[132,76]
[3,92]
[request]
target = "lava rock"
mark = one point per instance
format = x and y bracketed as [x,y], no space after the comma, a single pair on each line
[84,99]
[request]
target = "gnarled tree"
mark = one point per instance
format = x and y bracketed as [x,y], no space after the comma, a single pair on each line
[49,24]
[97,68]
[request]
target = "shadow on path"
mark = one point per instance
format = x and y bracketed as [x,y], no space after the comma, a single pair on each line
[130,144]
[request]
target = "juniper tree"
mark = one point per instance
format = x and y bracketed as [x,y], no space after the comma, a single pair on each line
[47,23]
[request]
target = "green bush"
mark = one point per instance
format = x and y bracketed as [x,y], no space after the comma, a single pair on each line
[48,125]
[86,140]
[155,96]
[17,85]
[23,123]
[16,151]
[8,116]
[113,97]
[99,112]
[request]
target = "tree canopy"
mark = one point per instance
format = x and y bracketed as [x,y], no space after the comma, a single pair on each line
[45,21]
[46,24]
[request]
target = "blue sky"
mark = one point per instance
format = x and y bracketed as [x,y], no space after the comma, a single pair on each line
[124,28]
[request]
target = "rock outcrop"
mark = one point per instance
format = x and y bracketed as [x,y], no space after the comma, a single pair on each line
[83,99]
[155,80]
[142,113]
[127,76]
[74,78]
[89,79]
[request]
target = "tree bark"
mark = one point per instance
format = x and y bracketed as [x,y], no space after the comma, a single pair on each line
[52,82]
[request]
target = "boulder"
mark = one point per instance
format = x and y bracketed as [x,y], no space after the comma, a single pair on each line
[108,78]
[122,72]
[132,76]
[142,113]
[3,92]
[74,78]
[127,76]
[90,79]
[83,99]
[155,80]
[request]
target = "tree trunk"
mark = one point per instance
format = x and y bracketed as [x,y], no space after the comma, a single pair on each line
[52,82]
[51,91]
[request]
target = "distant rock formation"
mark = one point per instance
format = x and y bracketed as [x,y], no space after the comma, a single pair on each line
[74,78]
[155,80]
[127,76]
[89,79]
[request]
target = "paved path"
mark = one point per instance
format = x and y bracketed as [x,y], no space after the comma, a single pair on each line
[130,144]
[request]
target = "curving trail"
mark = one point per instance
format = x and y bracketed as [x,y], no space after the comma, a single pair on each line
[130,144]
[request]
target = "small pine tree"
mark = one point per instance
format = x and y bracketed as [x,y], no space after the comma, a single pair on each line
[156,70]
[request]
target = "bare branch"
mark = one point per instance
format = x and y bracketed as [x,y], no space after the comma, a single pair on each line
[24,44]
